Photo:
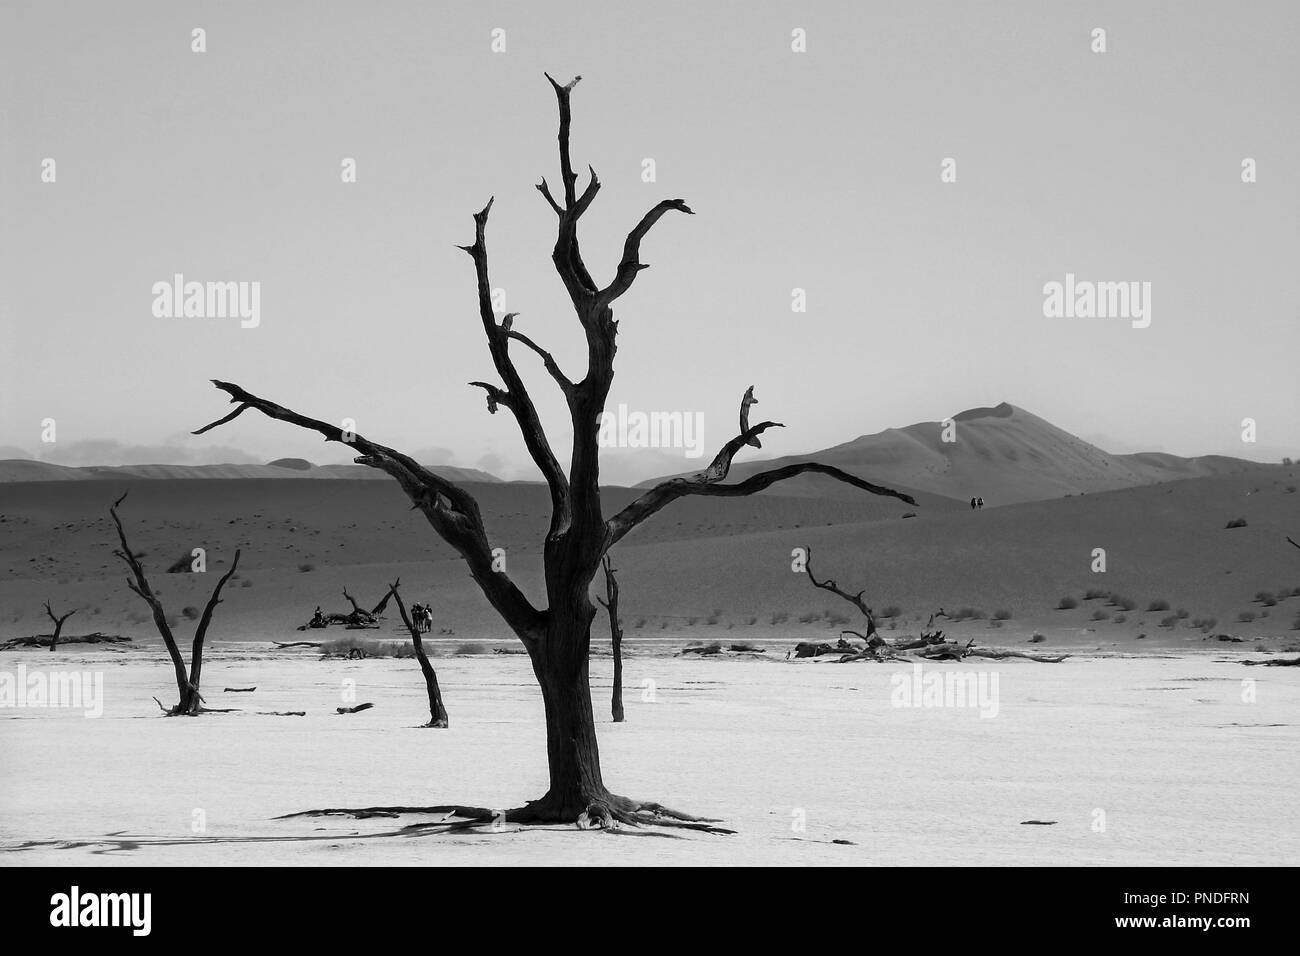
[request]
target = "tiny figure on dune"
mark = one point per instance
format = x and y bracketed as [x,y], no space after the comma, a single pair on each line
[317,619]
[972,504]
[980,502]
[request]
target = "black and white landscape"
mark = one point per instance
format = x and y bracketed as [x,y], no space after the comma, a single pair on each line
[858,434]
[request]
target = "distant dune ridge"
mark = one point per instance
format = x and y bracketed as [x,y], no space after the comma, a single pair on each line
[17,469]
[1003,454]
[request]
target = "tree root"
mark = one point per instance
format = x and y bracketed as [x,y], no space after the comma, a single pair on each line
[602,814]
[179,711]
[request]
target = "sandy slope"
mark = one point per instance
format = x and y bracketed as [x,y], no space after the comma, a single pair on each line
[1165,542]
[1185,772]
[1003,454]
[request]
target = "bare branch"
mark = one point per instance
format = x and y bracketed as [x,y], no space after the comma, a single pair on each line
[545,190]
[452,511]
[515,395]
[631,263]
[706,482]
[567,174]
[437,711]
[141,587]
[745,402]
[548,360]
[200,633]
[854,599]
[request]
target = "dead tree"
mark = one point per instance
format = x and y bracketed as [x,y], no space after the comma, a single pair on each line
[58,624]
[556,636]
[437,712]
[872,638]
[187,684]
[610,604]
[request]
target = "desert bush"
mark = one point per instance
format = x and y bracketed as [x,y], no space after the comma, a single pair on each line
[1093,593]
[1121,618]
[190,612]
[808,618]
[780,617]
[1160,605]
[470,649]
[1245,617]
[1181,613]
[1295,625]
[1001,614]
[751,621]
[1100,615]
[1127,604]
[640,623]
[304,568]
[969,614]
[1169,620]
[1037,639]
[711,619]
[837,620]
[1266,598]
[893,610]
[1067,603]
[692,621]
[1236,523]
[246,583]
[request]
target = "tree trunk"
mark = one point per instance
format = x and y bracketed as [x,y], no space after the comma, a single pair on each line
[572,754]
[610,604]
[617,702]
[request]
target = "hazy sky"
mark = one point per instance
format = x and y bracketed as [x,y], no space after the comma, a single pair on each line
[816,170]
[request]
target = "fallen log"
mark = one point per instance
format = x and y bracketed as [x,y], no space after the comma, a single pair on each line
[1275,662]
[999,655]
[239,690]
[353,710]
[44,640]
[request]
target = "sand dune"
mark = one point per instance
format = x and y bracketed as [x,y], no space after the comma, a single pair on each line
[304,541]
[1003,453]
[17,469]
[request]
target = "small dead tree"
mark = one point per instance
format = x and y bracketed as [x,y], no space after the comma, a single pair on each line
[187,684]
[557,635]
[437,712]
[58,624]
[872,638]
[610,604]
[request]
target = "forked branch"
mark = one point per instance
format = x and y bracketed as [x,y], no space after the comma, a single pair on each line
[452,511]
[58,623]
[707,482]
